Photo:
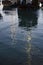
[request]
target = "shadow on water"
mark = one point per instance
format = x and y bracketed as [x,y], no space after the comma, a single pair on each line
[7,8]
[10,12]
[28,18]
[1,16]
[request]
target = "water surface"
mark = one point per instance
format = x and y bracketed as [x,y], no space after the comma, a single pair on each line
[21,37]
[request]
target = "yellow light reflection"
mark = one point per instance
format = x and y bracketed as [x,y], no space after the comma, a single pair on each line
[28,50]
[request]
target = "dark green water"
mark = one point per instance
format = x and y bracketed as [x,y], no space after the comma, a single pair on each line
[21,37]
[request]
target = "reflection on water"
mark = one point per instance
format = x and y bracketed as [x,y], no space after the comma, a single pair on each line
[0,16]
[28,21]
[21,37]
[28,18]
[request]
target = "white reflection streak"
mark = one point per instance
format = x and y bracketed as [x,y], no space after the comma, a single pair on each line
[1,8]
[1,5]
[14,25]
[28,50]
[40,5]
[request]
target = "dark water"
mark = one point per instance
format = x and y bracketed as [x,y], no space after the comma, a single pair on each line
[21,37]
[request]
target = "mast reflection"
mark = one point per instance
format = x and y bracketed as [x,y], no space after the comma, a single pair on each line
[1,16]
